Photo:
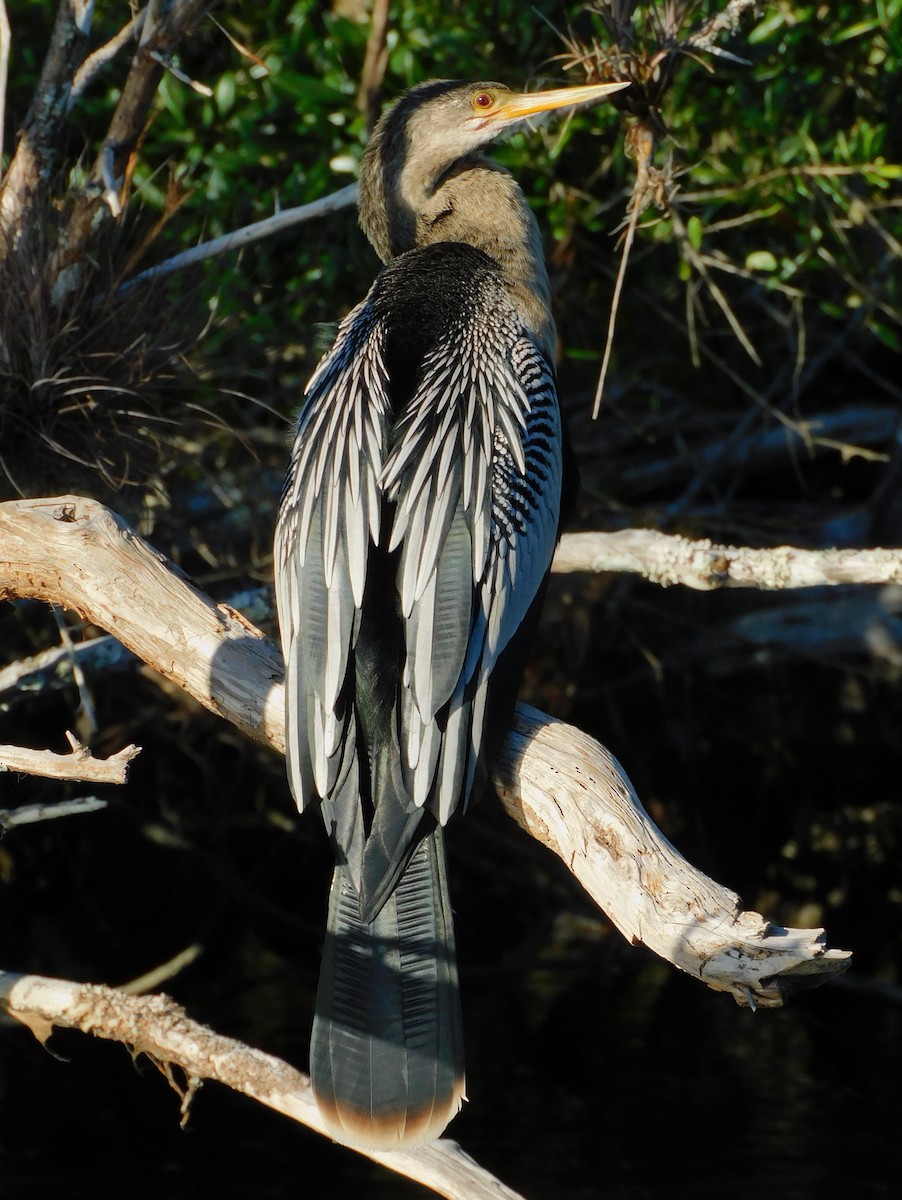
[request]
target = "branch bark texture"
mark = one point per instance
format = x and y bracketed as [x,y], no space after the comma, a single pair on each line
[34,156]
[163,29]
[77,553]
[80,764]
[666,559]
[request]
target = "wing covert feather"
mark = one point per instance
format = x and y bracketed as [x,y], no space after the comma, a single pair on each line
[476,494]
[328,520]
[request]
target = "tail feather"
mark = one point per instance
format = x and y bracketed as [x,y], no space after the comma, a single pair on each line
[387,1048]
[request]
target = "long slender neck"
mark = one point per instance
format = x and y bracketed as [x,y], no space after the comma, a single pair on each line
[475,202]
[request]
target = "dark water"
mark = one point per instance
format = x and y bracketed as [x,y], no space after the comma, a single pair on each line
[594,1071]
[657,1088]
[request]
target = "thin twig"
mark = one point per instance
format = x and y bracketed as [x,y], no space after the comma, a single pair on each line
[86,714]
[95,63]
[698,262]
[374,62]
[239,238]
[165,61]
[644,142]
[243,50]
[31,814]
[157,976]
[743,183]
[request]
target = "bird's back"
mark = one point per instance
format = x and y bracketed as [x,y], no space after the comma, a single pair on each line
[455,513]
[416,530]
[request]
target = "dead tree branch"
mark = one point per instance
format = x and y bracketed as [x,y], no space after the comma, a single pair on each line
[666,559]
[158,1028]
[164,27]
[79,763]
[100,58]
[703,565]
[239,238]
[32,162]
[556,782]
[33,814]
[89,560]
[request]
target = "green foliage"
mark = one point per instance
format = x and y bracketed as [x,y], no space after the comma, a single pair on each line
[787,176]
[772,230]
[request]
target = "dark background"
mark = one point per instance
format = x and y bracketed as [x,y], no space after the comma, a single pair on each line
[762,730]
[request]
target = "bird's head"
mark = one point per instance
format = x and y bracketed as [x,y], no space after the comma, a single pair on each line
[493,107]
[436,124]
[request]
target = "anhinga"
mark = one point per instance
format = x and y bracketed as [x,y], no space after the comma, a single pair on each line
[417,526]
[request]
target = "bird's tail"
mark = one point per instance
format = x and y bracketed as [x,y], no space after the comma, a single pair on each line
[386,1057]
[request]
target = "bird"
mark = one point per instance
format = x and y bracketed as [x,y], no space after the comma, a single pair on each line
[416,529]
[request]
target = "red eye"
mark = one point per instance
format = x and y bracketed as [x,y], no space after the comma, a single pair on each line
[483,100]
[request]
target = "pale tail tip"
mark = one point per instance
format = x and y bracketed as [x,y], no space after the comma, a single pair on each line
[387,1131]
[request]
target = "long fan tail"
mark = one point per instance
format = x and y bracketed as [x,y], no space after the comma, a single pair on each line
[386,1057]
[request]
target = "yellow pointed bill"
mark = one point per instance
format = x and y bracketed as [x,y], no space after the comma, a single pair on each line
[528,104]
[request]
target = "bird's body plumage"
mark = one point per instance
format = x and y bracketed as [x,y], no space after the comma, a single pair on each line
[416,530]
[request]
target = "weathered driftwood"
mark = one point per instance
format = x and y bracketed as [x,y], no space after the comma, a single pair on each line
[158,1028]
[668,559]
[568,792]
[79,763]
[77,553]
[556,782]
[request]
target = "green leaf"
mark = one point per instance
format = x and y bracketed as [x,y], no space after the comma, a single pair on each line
[760,260]
[853,31]
[889,337]
[768,26]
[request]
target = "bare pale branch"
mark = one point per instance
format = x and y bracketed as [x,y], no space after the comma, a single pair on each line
[78,764]
[103,56]
[33,814]
[668,559]
[240,238]
[160,1029]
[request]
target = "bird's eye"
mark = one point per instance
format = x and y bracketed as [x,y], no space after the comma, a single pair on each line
[483,100]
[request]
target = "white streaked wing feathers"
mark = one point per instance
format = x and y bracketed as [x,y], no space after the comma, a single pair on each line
[330,512]
[458,468]
[474,522]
